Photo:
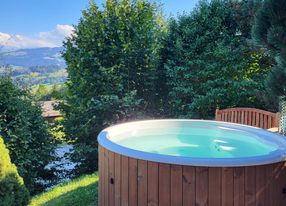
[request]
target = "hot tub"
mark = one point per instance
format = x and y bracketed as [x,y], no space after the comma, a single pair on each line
[191,162]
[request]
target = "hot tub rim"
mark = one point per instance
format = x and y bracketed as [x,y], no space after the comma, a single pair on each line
[278,155]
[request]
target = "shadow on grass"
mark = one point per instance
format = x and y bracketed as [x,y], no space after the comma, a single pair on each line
[81,196]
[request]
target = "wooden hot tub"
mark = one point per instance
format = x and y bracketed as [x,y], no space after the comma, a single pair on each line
[127,180]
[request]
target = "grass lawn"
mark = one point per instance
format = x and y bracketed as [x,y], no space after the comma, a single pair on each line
[78,192]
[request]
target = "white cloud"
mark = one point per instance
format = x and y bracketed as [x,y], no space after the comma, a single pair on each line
[52,38]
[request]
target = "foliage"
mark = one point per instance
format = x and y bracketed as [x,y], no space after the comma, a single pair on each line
[78,192]
[49,92]
[56,129]
[269,31]
[25,133]
[111,62]
[209,63]
[12,189]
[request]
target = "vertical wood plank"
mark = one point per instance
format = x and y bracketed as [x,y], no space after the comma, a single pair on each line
[239,117]
[100,193]
[110,176]
[153,184]
[269,190]
[232,116]
[214,186]
[269,123]
[249,118]
[124,181]
[242,117]
[265,122]
[106,171]
[164,185]
[189,186]
[202,179]
[257,120]
[239,192]
[250,186]
[142,183]
[133,171]
[261,120]
[227,186]
[246,118]
[281,176]
[260,185]
[117,187]
[176,185]
[253,117]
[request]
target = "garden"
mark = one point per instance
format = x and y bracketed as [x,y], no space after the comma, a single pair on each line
[127,61]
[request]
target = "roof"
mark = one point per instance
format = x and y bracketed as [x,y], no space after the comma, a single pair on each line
[48,109]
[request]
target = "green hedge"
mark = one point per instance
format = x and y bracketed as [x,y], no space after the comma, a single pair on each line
[12,189]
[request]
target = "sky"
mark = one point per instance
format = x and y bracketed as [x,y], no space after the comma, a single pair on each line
[45,23]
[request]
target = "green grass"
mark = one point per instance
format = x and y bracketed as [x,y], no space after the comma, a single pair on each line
[78,192]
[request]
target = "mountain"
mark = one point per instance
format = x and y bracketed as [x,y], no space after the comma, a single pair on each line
[33,66]
[33,57]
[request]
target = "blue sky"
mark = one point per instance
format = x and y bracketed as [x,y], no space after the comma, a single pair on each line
[30,18]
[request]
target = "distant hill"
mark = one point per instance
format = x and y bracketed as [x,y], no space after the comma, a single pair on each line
[34,66]
[33,57]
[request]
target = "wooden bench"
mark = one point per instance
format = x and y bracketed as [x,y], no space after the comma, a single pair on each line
[249,116]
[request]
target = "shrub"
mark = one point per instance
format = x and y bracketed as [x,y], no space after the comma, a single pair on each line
[12,189]
[25,133]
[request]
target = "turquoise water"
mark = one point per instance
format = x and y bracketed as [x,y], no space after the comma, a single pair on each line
[198,142]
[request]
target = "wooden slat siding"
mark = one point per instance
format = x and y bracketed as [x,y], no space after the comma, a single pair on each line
[117,179]
[110,176]
[227,186]
[238,186]
[249,116]
[164,185]
[202,179]
[176,185]
[189,186]
[100,175]
[133,173]
[142,183]
[260,185]
[250,180]
[153,184]
[124,181]
[214,186]
[106,171]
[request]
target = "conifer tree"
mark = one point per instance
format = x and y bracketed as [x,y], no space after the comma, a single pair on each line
[269,31]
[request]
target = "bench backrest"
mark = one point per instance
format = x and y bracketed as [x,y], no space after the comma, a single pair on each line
[249,116]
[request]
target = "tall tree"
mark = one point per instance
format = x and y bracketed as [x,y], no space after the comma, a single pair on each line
[269,31]
[25,133]
[111,62]
[209,63]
